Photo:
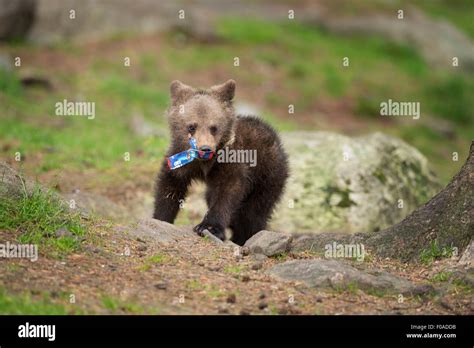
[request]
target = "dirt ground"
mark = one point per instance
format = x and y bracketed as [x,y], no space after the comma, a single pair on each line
[199,277]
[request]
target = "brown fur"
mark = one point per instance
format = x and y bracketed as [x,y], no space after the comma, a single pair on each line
[238,196]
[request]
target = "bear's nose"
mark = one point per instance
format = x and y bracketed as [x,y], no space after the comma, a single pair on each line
[205,148]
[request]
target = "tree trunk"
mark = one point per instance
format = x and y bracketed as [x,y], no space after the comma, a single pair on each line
[447,219]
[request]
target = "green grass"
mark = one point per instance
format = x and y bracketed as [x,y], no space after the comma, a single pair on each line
[75,142]
[159,259]
[435,252]
[37,215]
[195,285]
[233,269]
[349,288]
[118,306]
[9,83]
[129,91]
[452,99]
[441,277]
[26,304]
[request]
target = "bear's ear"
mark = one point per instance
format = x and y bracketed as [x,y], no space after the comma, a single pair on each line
[179,91]
[224,92]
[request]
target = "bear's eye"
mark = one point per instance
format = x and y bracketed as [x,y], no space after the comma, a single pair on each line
[213,130]
[191,128]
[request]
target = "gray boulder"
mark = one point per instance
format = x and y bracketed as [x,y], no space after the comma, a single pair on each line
[340,275]
[345,184]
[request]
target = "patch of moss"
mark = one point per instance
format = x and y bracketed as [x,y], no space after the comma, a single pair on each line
[345,201]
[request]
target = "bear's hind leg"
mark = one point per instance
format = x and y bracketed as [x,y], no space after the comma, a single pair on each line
[251,218]
[256,210]
[245,224]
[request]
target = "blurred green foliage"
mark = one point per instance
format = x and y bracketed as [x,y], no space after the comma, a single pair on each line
[304,62]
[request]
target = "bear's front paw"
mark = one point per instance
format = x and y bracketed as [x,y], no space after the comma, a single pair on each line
[216,230]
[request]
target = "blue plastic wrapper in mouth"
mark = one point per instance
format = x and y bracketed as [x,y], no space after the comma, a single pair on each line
[185,157]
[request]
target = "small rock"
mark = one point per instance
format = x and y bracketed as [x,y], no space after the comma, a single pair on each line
[231,298]
[236,252]
[262,296]
[212,237]
[422,289]
[201,263]
[222,310]
[244,312]
[142,248]
[444,302]
[467,256]
[269,243]
[465,277]
[259,258]
[92,249]
[63,232]
[245,278]
[256,265]
[262,305]
[231,245]
[161,286]
[319,299]
[245,250]
[214,268]
[158,231]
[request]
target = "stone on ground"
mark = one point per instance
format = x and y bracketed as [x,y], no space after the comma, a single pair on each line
[158,231]
[340,275]
[269,243]
[350,185]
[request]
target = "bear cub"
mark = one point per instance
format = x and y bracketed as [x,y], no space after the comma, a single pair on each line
[239,196]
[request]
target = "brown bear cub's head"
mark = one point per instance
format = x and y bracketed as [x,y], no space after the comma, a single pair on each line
[206,115]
